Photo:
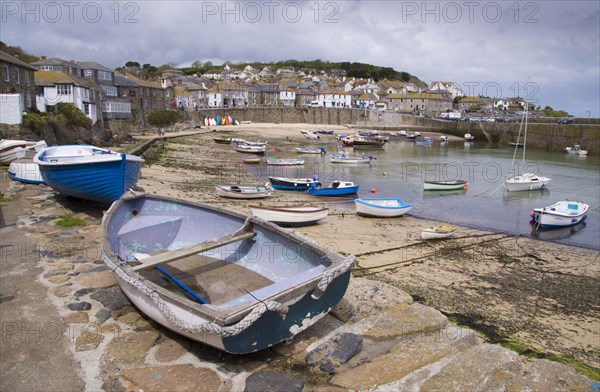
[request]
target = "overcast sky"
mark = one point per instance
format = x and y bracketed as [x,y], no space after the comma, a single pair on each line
[546,51]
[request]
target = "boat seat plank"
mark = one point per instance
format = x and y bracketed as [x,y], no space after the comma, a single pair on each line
[163,258]
[215,280]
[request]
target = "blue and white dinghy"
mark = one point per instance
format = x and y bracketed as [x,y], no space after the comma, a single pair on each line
[235,283]
[381,207]
[88,172]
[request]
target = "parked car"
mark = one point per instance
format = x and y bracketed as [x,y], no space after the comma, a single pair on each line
[565,121]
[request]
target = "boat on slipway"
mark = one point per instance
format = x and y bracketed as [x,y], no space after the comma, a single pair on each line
[11,150]
[25,170]
[237,284]
[290,215]
[88,172]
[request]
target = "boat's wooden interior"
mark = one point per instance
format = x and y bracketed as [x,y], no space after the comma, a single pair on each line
[215,280]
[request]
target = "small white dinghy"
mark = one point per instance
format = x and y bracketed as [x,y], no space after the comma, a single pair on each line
[25,170]
[381,207]
[576,150]
[437,232]
[563,213]
[291,215]
[243,192]
[11,150]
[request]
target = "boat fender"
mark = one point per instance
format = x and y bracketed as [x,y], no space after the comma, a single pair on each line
[373,190]
[532,213]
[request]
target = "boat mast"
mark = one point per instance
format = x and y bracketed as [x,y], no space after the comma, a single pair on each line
[517,143]
[525,137]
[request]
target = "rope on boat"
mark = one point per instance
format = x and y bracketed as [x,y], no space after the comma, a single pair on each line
[207,327]
[332,274]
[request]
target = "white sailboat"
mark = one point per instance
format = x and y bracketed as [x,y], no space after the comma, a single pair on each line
[525,181]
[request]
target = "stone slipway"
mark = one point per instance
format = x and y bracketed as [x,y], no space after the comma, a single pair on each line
[377,339]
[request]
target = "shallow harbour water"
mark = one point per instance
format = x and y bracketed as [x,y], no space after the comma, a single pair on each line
[401,167]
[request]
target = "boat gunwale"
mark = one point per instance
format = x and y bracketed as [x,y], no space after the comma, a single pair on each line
[221,316]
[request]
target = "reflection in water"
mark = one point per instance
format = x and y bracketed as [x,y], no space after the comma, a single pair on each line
[553,234]
[430,194]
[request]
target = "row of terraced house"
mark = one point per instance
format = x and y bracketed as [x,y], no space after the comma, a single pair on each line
[102,93]
[96,90]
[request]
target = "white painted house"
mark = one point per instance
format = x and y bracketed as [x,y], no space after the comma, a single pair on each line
[450,88]
[287,97]
[214,99]
[56,86]
[334,99]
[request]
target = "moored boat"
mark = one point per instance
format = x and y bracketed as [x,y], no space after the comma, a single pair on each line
[291,215]
[293,184]
[88,172]
[239,285]
[250,149]
[444,185]
[11,150]
[469,137]
[381,207]
[526,182]
[325,131]
[336,188]
[310,150]
[251,160]
[563,213]
[25,170]
[576,150]
[437,232]
[222,140]
[311,135]
[443,138]
[284,162]
[243,191]
[345,158]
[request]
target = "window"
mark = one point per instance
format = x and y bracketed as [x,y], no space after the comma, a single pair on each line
[28,100]
[26,78]
[6,73]
[40,92]
[109,91]
[63,89]
[46,68]
[17,76]
[86,108]
[132,93]
[88,72]
[104,75]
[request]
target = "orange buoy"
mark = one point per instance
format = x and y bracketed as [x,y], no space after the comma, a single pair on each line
[373,190]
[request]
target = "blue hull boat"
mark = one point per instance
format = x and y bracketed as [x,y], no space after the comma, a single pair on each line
[337,188]
[235,283]
[88,172]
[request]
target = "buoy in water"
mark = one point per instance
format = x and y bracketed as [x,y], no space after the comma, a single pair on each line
[373,190]
[384,173]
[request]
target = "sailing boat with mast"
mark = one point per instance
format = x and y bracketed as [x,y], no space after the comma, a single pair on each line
[525,181]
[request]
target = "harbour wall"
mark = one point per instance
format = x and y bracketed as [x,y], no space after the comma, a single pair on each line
[542,133]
